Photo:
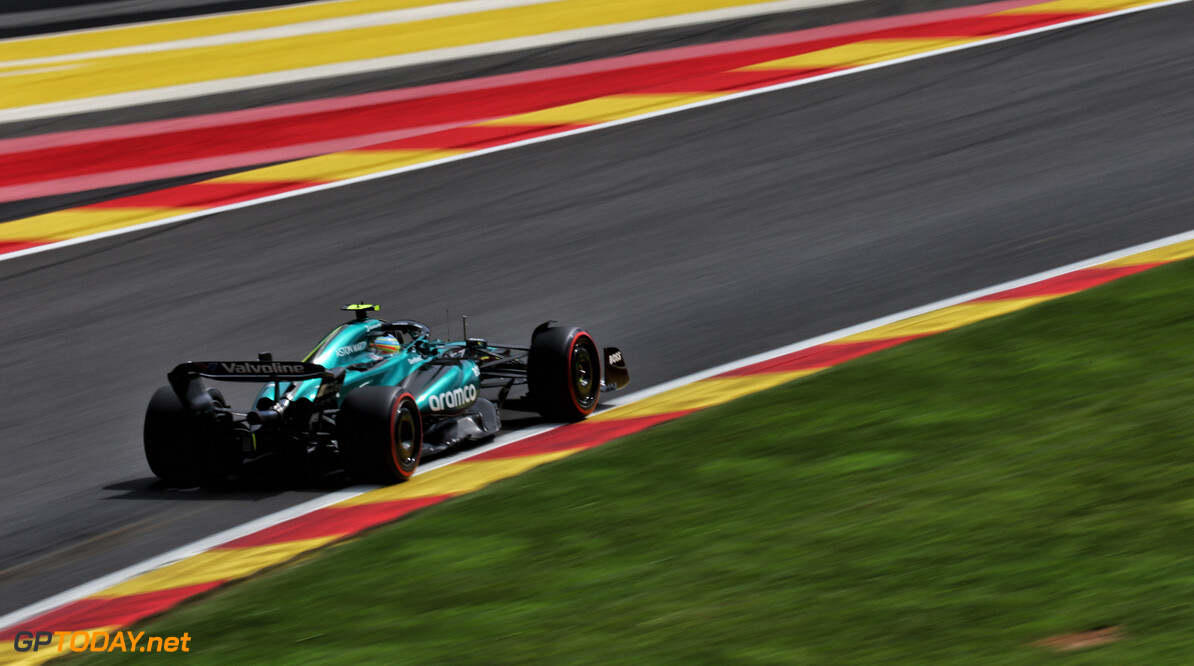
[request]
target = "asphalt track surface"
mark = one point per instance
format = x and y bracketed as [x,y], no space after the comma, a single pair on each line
[688,240]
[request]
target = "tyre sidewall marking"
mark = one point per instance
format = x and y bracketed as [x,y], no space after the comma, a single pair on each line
[394,454]
[571,382]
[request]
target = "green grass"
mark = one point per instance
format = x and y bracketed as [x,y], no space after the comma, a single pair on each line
[953,500]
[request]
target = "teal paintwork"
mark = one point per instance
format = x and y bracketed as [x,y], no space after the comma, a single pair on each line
[439,388]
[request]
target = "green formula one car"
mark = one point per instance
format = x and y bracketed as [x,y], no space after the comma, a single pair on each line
[372,398]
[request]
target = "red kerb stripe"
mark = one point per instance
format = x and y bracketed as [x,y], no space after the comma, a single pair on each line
[820,356]
[586,434]
[118,611]
[202,195]
[975,26]
[333,521]
[13,246]
[1068,283]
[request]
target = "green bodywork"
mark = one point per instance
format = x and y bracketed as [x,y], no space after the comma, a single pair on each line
[439,382]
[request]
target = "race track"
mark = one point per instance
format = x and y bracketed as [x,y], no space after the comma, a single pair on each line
[688,240]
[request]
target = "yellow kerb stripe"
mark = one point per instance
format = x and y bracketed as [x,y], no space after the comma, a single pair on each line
[860,53]
[337,166]
[10,657]
[462,477]
[1175,252]
[94,76]
[945,319]
[1078,7]
[601,109]
[214,565]
[203,26]
[470,27]
[702,394]
[76,222]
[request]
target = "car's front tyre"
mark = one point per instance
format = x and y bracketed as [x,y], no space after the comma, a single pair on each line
[564,374]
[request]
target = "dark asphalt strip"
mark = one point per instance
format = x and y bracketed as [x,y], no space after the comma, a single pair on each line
[16,210]
[688,240]
[22,18]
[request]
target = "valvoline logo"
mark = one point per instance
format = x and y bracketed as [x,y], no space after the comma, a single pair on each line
[252,368]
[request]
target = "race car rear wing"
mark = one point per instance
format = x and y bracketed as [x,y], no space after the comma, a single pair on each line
[184,379]
[249,371]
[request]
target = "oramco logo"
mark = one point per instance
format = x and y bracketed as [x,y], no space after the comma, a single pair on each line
[452,399]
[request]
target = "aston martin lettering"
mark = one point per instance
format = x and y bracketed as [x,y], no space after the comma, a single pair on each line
[452,399]
[263,368]
[349,350]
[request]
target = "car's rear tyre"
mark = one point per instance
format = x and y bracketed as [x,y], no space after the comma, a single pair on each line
[380,434]
[564,374]
[179,445]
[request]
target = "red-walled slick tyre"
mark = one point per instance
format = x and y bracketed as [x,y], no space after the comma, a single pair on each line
[564,374]
[380,434]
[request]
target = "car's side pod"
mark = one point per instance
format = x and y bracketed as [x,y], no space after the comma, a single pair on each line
[616,374]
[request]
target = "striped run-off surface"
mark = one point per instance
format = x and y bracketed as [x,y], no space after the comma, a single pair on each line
[319,144]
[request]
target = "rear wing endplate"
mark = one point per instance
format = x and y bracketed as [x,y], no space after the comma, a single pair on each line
[616,374]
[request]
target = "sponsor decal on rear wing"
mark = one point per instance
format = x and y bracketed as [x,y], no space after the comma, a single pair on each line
[248,371]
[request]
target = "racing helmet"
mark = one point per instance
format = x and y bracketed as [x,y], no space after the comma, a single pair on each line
[385,345]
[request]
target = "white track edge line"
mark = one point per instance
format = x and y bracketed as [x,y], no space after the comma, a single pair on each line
[574,132]
[315,504]
[784,5]
[207,543]
[902,315]
[416,14]
[193,17]
[383,63]
[309,28]
[180,553]
[233,533]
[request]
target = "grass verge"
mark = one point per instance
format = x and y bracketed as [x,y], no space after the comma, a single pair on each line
[954,500]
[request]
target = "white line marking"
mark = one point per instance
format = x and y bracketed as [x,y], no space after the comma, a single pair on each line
[631,398]
[277,12]
[37,70]
[181,553]
[188,90]
[99,584]
[574,132]
[317,27]
[231,534]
